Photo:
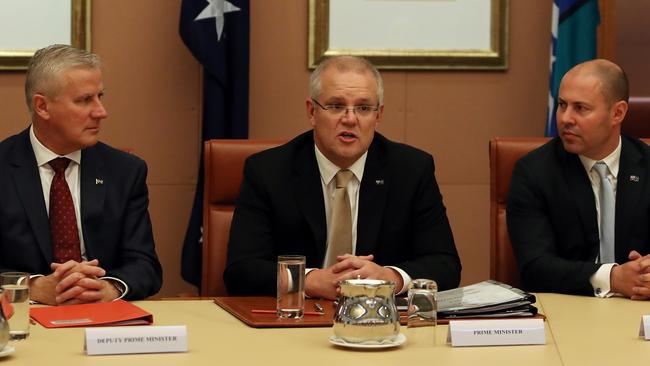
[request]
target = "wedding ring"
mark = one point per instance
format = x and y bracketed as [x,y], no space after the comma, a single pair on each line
[358,277]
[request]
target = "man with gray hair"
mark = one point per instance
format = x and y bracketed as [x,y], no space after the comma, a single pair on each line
[356,204]
[73,211]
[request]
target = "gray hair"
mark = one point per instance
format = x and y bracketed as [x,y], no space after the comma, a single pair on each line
[48,64]
[345,63]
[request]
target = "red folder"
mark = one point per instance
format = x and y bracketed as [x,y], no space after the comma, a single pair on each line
[118,312]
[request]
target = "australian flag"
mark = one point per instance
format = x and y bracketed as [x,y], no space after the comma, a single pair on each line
[217,34]
[573,40]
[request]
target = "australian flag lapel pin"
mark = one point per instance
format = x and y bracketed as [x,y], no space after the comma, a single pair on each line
[99,182]
[379,182]
[634,178]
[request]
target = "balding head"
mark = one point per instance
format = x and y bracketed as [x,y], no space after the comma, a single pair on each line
[613,81]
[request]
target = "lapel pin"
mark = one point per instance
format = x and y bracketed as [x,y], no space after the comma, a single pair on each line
[379,182]
[634,178]
[99,181]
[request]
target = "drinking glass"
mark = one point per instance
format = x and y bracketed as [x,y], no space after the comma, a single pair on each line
[291,286]
[422,311]
[15,286]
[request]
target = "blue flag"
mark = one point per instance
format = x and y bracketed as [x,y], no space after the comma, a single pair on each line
[573,40]
[217,34]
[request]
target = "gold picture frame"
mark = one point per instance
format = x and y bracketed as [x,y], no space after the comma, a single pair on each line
[495,57]
[80,14]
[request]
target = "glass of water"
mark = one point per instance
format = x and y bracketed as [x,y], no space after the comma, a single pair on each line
[15,286]
[422,312]
[291,286]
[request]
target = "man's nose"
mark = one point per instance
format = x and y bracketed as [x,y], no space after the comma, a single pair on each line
[99,111]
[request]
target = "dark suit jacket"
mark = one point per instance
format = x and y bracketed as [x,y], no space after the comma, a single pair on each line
[281,210]
[114,217]
[552,218]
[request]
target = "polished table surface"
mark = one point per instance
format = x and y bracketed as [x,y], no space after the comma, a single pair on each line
[594,331]
[217,338]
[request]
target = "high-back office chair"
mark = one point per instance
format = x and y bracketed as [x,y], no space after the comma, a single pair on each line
[224,165]
[637,120]
[504,153]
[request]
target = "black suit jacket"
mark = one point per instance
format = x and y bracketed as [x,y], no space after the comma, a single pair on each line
[281,210]
[552,218]
[114,216]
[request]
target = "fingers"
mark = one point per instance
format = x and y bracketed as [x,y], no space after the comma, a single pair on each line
[634,255]
[89,268]
[348,261]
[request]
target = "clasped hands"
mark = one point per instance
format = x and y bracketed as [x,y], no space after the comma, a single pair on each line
[632,278]
[323,283]
[73,283]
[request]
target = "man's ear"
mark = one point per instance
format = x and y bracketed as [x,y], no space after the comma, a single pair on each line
[619,110]
[40,105]
[310,111]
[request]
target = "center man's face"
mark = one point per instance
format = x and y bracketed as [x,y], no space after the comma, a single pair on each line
[343,139]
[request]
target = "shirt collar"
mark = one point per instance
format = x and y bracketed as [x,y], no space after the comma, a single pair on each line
[328,169]
[612,160]
[45,155]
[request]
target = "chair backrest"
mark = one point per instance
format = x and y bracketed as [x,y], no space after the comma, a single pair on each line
[637,120]
[504,153]
[223,168]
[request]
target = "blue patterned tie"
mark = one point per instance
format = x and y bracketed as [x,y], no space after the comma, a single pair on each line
[607,214]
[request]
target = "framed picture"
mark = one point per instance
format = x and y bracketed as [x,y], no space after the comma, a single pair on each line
[413,34]
[27,25]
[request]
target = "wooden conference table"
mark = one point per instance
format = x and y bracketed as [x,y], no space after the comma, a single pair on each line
[579,331]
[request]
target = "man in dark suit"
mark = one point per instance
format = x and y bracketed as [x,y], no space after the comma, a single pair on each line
[398,227]
[579,206]
[73,211]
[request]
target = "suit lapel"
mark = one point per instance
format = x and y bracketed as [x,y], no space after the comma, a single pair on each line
[28,184]
[93,181]
[629,187]
[306,184]
[583,195]
[372,200]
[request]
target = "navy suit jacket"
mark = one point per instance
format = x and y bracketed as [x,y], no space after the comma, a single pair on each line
[552,218]
[281,210]
[114,215]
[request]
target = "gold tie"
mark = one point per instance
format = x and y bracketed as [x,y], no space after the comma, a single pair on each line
[341,234]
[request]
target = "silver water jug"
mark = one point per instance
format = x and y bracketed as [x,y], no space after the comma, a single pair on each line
[366,311]
[4,323]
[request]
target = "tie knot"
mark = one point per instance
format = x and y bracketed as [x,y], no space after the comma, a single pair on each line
[601,169]
[343,177]
[59,164]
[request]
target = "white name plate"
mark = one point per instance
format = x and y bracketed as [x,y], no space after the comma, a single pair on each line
[147,339]
[644,329]
[499,332]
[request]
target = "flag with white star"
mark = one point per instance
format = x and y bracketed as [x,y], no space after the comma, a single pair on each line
[217,34]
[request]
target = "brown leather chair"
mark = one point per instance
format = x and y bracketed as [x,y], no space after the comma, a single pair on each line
[224,164]
[504,153]
[637,120]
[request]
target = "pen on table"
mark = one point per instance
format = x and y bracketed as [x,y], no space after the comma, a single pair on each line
[268,311]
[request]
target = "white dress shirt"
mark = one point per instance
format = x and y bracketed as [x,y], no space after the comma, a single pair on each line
[328,171]
[73,178]
[600,280]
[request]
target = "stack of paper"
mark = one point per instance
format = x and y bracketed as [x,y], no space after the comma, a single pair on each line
[485,299]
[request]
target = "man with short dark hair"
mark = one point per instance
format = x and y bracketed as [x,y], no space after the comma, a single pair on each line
[579,206]
[73,211]
[356,204]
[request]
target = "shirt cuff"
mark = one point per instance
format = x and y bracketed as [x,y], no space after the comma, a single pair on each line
[406,279]
[600,281]
[120,285]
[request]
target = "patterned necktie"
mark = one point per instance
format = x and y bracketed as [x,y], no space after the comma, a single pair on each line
[607,214]
[341,234]
[63,221]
